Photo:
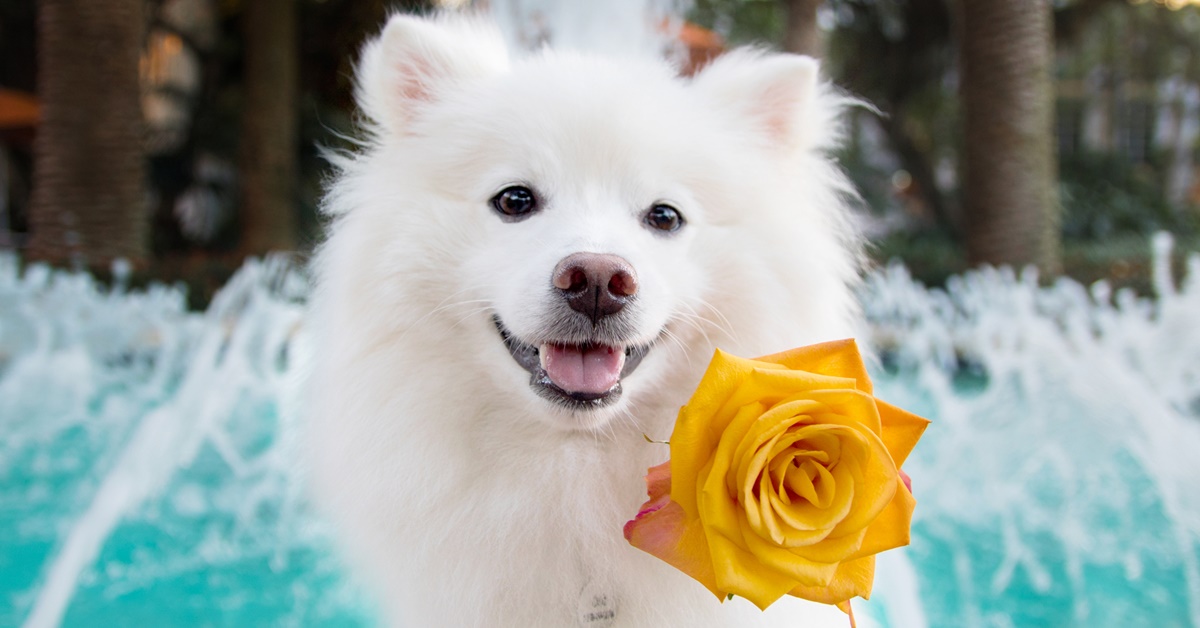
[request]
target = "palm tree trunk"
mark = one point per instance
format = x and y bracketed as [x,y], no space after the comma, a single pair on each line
[88,205]
[1011,171]
[269,126]
[802,35]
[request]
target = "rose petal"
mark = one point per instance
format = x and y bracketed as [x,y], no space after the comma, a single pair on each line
[755,490]
[875,485]
[872,462]
[697,438]
[839,358]
[853,578]
[714,496]
[810,481]
[851,408]
[892,528]
[747,435]
[818,448]
[658,481]
[901,430]
[670,535]
[697,428]
[658,488]
[801,517]
[833,549]
[800,569]
[741,573]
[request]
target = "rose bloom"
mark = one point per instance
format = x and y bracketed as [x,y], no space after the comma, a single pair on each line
[784,478]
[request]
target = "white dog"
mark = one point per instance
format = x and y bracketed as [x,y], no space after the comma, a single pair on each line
[529,265]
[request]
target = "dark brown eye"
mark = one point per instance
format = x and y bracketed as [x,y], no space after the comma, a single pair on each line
[664,218]
[515,202]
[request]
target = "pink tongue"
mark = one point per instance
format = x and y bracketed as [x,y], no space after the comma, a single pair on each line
[595,369]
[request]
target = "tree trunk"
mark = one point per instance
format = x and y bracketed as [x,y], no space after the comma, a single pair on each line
[269,127]
[802,35]
[88,205]
[1011,171]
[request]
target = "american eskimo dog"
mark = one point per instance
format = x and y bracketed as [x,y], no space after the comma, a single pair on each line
[529,264]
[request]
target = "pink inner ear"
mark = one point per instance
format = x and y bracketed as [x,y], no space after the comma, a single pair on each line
[413,85]
[775,107]
[777,110]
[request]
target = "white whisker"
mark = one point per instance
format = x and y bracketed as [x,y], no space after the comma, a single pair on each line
[722,322]
[695,322]
[683,348]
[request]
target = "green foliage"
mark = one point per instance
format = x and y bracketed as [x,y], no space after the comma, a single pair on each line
[741,21]
[931,256]
[1104,195]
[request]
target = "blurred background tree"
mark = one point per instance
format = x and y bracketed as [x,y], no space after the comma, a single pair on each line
[1010,170]
[226,103]
[236,96]
[801,33]
[1126,126]
[88,206]
[270,126]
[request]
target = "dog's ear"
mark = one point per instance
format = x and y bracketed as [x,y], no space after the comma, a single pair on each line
[778,96]
[414,60]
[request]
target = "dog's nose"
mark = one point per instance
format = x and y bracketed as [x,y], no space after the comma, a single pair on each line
[594,284]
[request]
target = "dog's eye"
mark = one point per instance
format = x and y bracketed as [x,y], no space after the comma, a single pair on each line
[664,218]
[516,202]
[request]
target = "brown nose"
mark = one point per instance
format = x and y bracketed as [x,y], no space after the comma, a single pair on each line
[595,285]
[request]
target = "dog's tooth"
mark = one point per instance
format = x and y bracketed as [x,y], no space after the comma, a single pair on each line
[542,351]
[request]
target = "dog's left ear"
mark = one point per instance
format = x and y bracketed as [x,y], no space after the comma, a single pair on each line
[415,60]
[778,96]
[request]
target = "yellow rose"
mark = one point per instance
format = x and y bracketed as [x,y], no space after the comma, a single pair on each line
[784,478]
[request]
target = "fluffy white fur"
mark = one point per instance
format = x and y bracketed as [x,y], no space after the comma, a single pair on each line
[465,498]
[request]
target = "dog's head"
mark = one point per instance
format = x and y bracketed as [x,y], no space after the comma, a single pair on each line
[578,229]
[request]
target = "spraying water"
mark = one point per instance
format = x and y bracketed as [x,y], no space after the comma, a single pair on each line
[126,410]
[1062,466]
[146,468]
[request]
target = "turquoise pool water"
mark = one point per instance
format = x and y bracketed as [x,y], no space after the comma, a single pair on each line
[148,478]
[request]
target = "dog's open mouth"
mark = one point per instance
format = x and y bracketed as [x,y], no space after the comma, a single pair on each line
[579,376]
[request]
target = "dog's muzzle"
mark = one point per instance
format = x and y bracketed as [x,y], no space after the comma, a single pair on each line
[584,362]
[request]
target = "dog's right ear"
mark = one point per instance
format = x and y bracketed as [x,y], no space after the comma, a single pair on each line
[779,98]
[415,60]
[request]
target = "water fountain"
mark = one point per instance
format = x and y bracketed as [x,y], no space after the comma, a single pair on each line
[147,468]
[147,447]
[1058,486]
[147,465]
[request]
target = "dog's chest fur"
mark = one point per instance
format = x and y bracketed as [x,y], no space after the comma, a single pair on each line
[530,534]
